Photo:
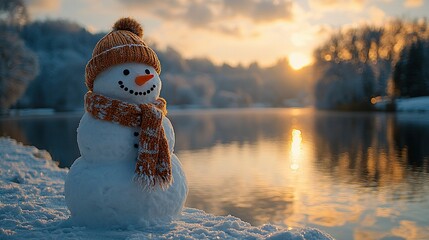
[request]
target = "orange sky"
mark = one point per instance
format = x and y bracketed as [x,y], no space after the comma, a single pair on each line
[233,31]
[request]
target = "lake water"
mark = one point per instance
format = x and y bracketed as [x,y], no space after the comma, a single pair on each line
[353,175]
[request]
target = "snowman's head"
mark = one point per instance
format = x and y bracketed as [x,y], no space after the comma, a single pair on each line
[130,82]
[123,66]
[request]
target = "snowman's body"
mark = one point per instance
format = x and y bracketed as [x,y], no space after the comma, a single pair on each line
[99,189]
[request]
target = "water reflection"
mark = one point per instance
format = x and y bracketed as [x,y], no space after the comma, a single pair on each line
[56,134]
[295,149]
[342,172]
[372,150]
[200,130]
[411,140]
[355,175]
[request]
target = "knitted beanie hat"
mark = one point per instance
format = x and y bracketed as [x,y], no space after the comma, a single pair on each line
[122,45]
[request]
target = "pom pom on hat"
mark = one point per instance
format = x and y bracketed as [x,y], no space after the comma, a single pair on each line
[129,24]
[123,44]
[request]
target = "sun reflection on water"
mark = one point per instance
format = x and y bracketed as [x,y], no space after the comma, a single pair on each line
[340,173]
[295,149]
[353,175]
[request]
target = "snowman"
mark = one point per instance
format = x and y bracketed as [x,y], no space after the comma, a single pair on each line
[128,173]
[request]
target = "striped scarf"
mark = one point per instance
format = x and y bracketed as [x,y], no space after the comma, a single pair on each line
[153,166]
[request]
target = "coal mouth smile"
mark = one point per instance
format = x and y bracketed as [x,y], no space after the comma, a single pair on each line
[133,92]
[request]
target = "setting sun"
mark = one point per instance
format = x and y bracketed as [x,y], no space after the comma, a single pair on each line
[298,60]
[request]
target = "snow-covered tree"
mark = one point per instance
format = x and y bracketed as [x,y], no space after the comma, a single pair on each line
[63,45]
[13,13]
[343,86]
[63,49]
[18,66]
[370,53]
[410,72]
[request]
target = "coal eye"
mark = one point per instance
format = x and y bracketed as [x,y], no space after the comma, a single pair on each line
[147,71]
[126,72]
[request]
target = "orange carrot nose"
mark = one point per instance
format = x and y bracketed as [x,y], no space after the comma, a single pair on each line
[142,79]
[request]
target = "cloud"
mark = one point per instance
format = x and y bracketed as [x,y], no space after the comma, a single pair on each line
[231,31]
[335,5]
[413,3]
[198,14]
[150,4]
[211,15]
[377,15]
[259,11]
[42,6]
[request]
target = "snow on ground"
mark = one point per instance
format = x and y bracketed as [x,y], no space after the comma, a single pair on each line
[416,104]
[32,206]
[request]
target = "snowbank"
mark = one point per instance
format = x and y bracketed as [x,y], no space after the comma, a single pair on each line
[32,206]
[418,104]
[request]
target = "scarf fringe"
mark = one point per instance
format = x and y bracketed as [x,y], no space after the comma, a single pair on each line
[152,183]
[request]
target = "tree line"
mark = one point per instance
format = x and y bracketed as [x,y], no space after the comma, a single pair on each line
[352,67]
[62,49]
[358,64]
[18,64]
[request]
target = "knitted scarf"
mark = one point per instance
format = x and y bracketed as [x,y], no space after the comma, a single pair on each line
[153,166]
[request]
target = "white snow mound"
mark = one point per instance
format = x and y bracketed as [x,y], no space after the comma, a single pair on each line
[32,206]
[416,104]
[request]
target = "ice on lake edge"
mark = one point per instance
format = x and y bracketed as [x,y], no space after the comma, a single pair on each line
[32,206]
